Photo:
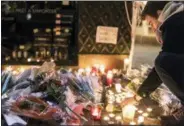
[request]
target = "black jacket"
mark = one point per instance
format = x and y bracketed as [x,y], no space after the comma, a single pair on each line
[172,31]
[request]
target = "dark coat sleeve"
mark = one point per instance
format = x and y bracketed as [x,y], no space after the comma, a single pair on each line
[150,84]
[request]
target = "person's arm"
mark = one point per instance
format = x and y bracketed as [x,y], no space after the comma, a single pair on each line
[150,84]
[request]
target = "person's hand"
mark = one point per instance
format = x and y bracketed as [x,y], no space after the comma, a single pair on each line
[128,101]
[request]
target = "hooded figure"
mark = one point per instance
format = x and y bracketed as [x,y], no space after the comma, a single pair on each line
[167,21]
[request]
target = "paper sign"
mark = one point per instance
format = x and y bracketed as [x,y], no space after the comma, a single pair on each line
[106,35]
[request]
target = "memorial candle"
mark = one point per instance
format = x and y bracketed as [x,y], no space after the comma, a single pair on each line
[109,78]
[140,120]
[96,112]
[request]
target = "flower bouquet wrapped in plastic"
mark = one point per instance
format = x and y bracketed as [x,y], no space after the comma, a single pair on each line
[33,107]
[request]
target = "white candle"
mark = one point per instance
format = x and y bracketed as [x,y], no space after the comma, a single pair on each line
[118,118]
[149,109]
[145,114]
[111,115]
[132,123]
[29,60]
[129,112]
[110,108]
[106,118]
[111,122]
[102,68]
[140,111]
[140,120]
[126,63]
[118,87]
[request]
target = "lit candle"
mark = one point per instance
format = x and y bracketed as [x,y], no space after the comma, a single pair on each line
[118,87]
[109,108]
[102,69]
[111,115]
[149,109]
[126,63]
[132,123]
[111,122]
[140,120]
[129,112]
[118,100]
[52,60]
[80,71]
[38,60]
[109,78]
[106,118]
[96,112]
[118,118]
[21,70]
[9,68]
[114,71]
[129,94]
[88,70]
[29,59]
[145,114]
[140,111]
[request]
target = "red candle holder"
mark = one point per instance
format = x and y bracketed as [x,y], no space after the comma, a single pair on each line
[96,112]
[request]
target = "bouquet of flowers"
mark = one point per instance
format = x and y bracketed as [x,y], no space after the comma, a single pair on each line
[45,93]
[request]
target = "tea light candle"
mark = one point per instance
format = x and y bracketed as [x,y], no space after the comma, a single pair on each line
[111,115]
[129,112]
[132,123]
[111,122]
[149,109]
[102,69]
[106,118]
[145,114]
[140,120]
[140,111]
[118,118]
[29,60]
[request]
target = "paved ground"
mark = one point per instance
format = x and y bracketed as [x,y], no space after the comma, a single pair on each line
[145,54]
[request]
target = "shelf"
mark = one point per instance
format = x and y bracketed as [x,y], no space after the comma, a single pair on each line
[58,63]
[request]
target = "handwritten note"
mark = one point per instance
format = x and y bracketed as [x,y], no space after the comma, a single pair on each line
[106,35]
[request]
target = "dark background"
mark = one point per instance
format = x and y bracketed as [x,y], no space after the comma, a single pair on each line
[88,15]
